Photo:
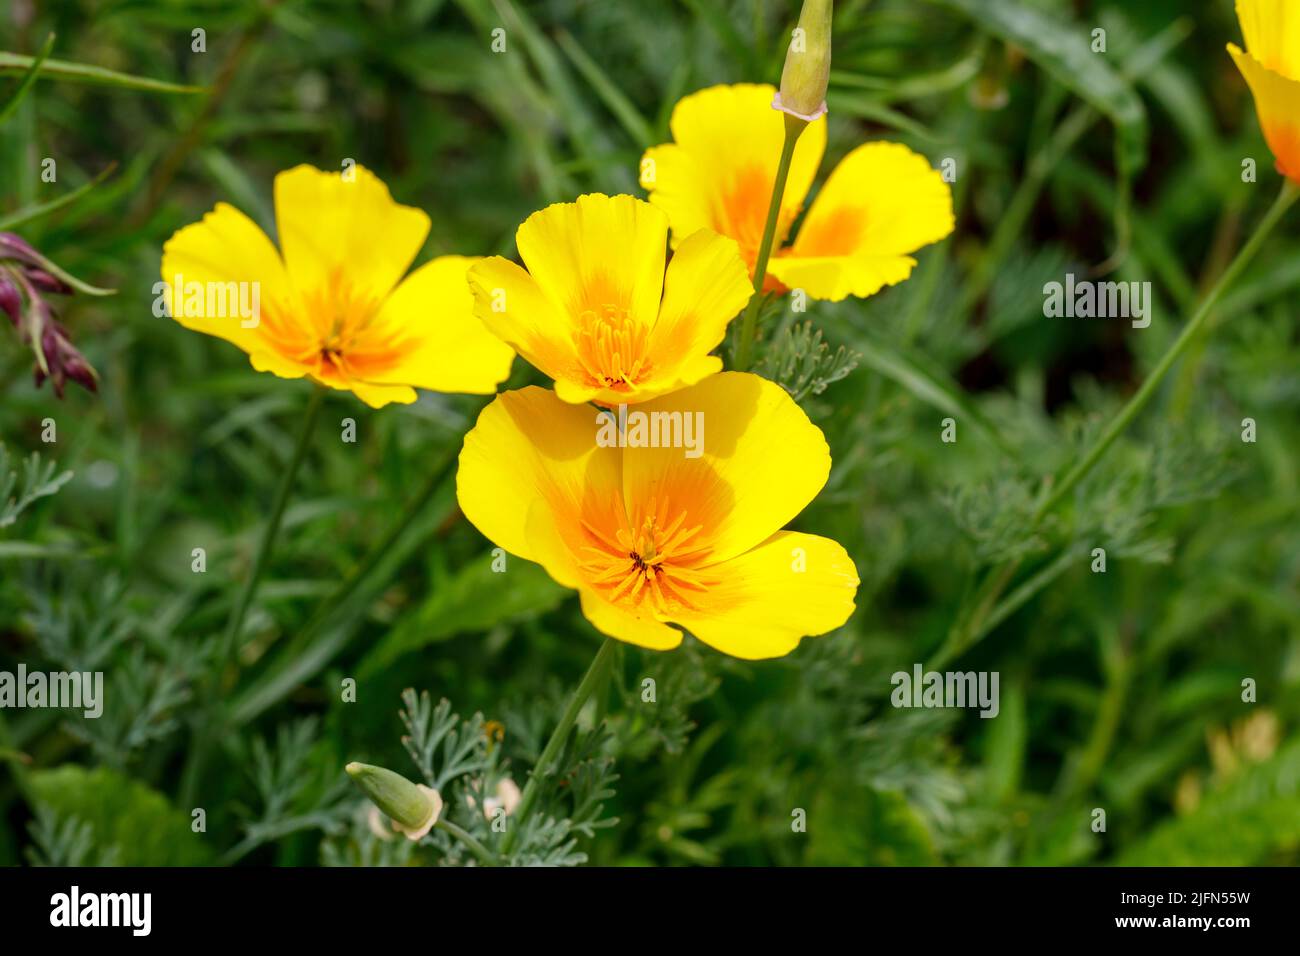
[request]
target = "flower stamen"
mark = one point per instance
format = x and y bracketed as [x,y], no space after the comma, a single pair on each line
[612,347]
[646,563]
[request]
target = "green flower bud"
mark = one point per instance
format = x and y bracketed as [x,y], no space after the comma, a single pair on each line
[413,808]
[807,63]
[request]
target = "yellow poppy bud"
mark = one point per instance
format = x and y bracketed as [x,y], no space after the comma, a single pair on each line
[807,63]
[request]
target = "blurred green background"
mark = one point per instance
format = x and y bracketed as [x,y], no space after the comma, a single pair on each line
[1120,691]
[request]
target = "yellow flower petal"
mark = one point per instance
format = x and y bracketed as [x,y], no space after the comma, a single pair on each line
[598,252]
[632,626]
[655,536]
[376,396]
[589,313]
[511,305]
[706,286]
[762,461]
[719,172]
[760,603]
[333,308]
[427,336]
[1277,101]
[330,228]
[530,450]
[225,246]
[880,204]
[1272,32]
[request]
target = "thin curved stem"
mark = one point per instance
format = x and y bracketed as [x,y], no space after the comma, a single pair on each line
[478,849]
[968,632]
[308,649]
[552,748]
[749,324]
[205,729]
[1286,198]
[272,528]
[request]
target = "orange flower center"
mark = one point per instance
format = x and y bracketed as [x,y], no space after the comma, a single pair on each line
[652,562]
[326,330]
[612,347]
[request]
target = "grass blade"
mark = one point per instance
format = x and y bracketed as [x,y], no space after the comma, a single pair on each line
[637,126]
[927,384]
[26,215]
[13,63]
[1060,49]
[28,79]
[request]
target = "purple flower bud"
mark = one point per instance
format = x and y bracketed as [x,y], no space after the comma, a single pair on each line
[47,282]
[24,276]
[63,361]
[11,300]
[15,247]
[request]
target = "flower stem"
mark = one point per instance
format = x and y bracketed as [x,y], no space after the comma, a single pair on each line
[16,760]
[478,849]
[963,635]
[794,126]
[552,748]
[310,650]
[1286,198]
[272,528]
[204,735]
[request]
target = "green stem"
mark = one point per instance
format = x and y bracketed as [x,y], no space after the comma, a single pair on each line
[206,730]
[749,325]
[272,528]
[964,635]
[478,849]
[305,653]
[1286,198]
[16,760]
[1083,774]
[552,748]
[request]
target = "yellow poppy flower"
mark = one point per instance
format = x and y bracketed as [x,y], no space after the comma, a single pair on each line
[331,304]
[882,203]
[1271,66]
[597,311]
[651,534]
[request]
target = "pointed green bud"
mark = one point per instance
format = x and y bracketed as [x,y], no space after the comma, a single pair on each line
[413,808]
[807,63]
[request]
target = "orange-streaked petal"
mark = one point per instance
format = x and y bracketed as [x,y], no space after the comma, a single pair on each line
[599,251]
[225,246]
[706,286]
[333,376]
[427,336]
[761,603]
[530,450]
[345,232]
[1277,102]
[632,626]
[761,461]
[719,172]
[511,305]
[881,203]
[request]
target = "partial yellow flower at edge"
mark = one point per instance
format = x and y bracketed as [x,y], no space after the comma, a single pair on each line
[1271,67]
[881,204]
[595,308]
[334,307]
[652,538]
